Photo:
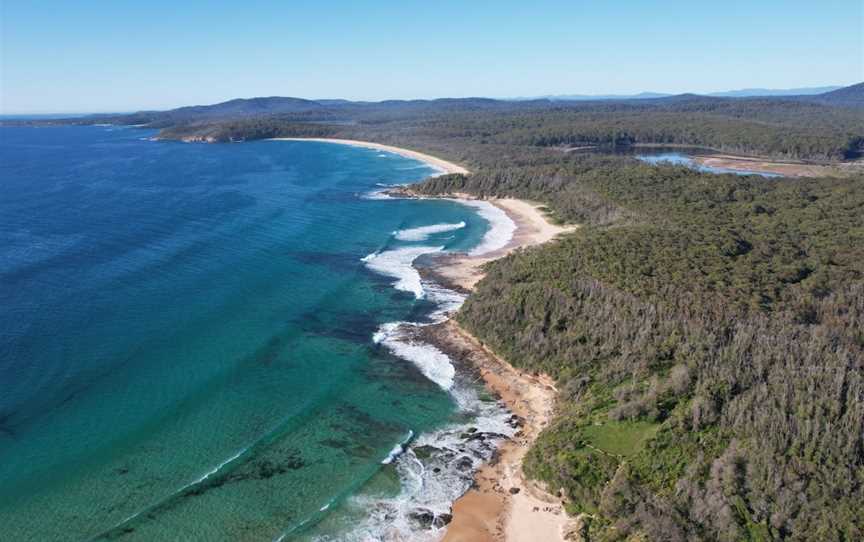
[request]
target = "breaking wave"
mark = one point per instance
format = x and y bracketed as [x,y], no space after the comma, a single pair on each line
[423,232]
[398,263]
[501,227]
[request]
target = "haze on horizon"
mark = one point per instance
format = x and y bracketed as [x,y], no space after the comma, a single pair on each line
[109,57]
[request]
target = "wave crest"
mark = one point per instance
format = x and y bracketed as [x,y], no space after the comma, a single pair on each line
[398,263]
[501,227]
[423,232]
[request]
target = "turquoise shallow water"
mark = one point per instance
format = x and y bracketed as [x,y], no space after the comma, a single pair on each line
[186,341]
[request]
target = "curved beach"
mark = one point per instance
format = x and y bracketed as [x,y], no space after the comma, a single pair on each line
[443,166]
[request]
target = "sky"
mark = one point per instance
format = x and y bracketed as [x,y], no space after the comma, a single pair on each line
[118,56]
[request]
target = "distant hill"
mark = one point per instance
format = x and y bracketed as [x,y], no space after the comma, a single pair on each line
[591,97]
[740,93]
[340,110]
[249,106]
[750,92]
[851,96]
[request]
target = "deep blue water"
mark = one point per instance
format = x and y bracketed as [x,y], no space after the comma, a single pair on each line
[186,336]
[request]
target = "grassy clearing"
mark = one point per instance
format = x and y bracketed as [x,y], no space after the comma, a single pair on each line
[623,439]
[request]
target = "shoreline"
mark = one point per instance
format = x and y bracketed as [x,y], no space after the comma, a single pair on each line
[443,166]
[501,505]
[463,271]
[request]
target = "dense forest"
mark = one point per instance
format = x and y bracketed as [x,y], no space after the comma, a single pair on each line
[774,128]
[707,335]
[706,332]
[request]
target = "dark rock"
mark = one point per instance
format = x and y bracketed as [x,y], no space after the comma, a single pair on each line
[424,452]
[441,520]
[422,517]
[514,490]
[464,463]
[516,421]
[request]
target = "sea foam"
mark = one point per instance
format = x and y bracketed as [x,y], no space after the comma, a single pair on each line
[398,263]
[432,480]
[398,449]
[433,363]
[501,227]
[423,232]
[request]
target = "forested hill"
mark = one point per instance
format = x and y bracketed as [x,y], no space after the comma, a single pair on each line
[851,96]
[826,127]
[790,128]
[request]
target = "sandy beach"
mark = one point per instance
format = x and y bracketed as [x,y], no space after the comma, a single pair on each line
[463,271]
[503,506]
[443,166]
[787,169]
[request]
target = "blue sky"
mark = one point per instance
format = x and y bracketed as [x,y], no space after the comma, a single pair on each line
[87,56]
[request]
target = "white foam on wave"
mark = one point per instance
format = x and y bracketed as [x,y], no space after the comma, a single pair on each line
[204,477]
[398,263]
[501,226]
[435,470]
[423,232]
[447,301]
[217,468]
[433,363]
[380,193]
[398,449]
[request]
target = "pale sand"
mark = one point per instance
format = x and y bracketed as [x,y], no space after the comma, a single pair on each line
[442,165]
[787,169]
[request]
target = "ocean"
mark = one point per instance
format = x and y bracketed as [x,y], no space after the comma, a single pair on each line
[213,342]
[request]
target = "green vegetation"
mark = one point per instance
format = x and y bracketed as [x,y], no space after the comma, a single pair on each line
[782,129]
[621,439]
